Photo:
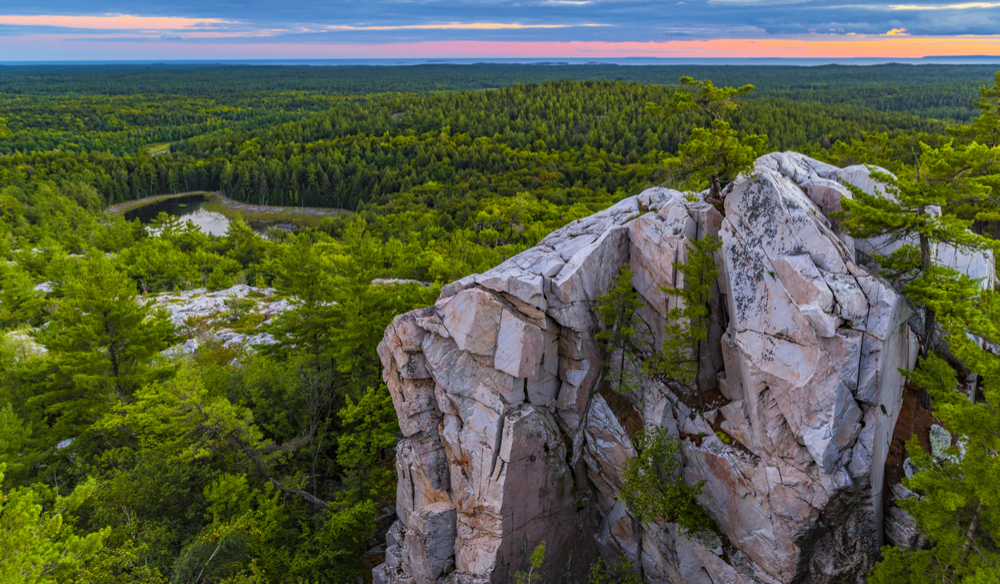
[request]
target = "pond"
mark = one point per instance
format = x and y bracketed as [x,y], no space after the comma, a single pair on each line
[196,208]
[188,208]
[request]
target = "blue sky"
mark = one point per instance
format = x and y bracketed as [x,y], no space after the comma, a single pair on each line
[143,29]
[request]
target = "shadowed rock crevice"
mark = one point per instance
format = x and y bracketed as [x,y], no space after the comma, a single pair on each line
[508,442]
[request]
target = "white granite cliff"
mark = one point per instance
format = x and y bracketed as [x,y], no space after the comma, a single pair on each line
[508,442]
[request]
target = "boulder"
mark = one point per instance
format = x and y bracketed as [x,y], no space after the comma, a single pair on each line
[900,526]
[940,442]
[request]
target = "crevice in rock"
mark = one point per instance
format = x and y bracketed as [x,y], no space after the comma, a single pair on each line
[861,361]
[497,442]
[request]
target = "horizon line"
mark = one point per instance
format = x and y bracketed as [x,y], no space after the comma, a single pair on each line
[554,61]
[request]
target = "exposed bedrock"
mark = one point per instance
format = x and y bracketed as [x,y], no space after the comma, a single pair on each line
[508,442]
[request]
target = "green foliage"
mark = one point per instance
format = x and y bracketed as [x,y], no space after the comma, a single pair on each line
[653,488]
[20,303]
[123,565]
[333,555]
[184,418]
[236,467]
[239,307]
[711,156]
[872,149]
[616,573]
[40,546]
[685,342]
[985,128]
[623,345]
[103,344]
[714,157]
[958,510]
[911,211]
[534,562]
[370,433]
[706,98]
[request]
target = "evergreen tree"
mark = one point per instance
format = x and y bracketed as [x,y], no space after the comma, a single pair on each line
[985,129]
[621,342]
[653,489]
[103,344]
[706,98]
[958,509]
[370,429]
[20,303]
[39,544]
[872,149]
[713,155]
[910,211]
[305,273]
[685,345]
[365,305]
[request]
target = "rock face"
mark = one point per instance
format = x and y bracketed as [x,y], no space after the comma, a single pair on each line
[508,442]
[823,184]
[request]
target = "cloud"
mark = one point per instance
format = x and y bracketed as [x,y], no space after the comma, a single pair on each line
[112,21]
[402,22]
[756,2]
[457,26]
[959,6]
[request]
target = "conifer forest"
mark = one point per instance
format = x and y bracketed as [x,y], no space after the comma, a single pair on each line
[186,407]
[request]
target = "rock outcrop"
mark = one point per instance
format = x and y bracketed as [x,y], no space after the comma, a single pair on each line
[207,315]
[508,441]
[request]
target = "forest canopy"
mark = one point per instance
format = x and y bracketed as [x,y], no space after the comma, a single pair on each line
[126,463]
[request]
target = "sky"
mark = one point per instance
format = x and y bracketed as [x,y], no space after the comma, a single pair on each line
[143,30]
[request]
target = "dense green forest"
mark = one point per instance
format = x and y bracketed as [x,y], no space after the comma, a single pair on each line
[946,90]
[121,463]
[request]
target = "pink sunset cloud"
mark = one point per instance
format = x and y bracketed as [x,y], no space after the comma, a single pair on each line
[111,22]
[893,45]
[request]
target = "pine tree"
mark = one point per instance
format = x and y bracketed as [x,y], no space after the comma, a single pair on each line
[39,544]
[873,149]
[103,342]
[685,342]
[985,129]
[707,98]
[713,155]
[20,303]
[305,273]
[910,211]
[652,488]
[370,429]
[958,509]
[619,337]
